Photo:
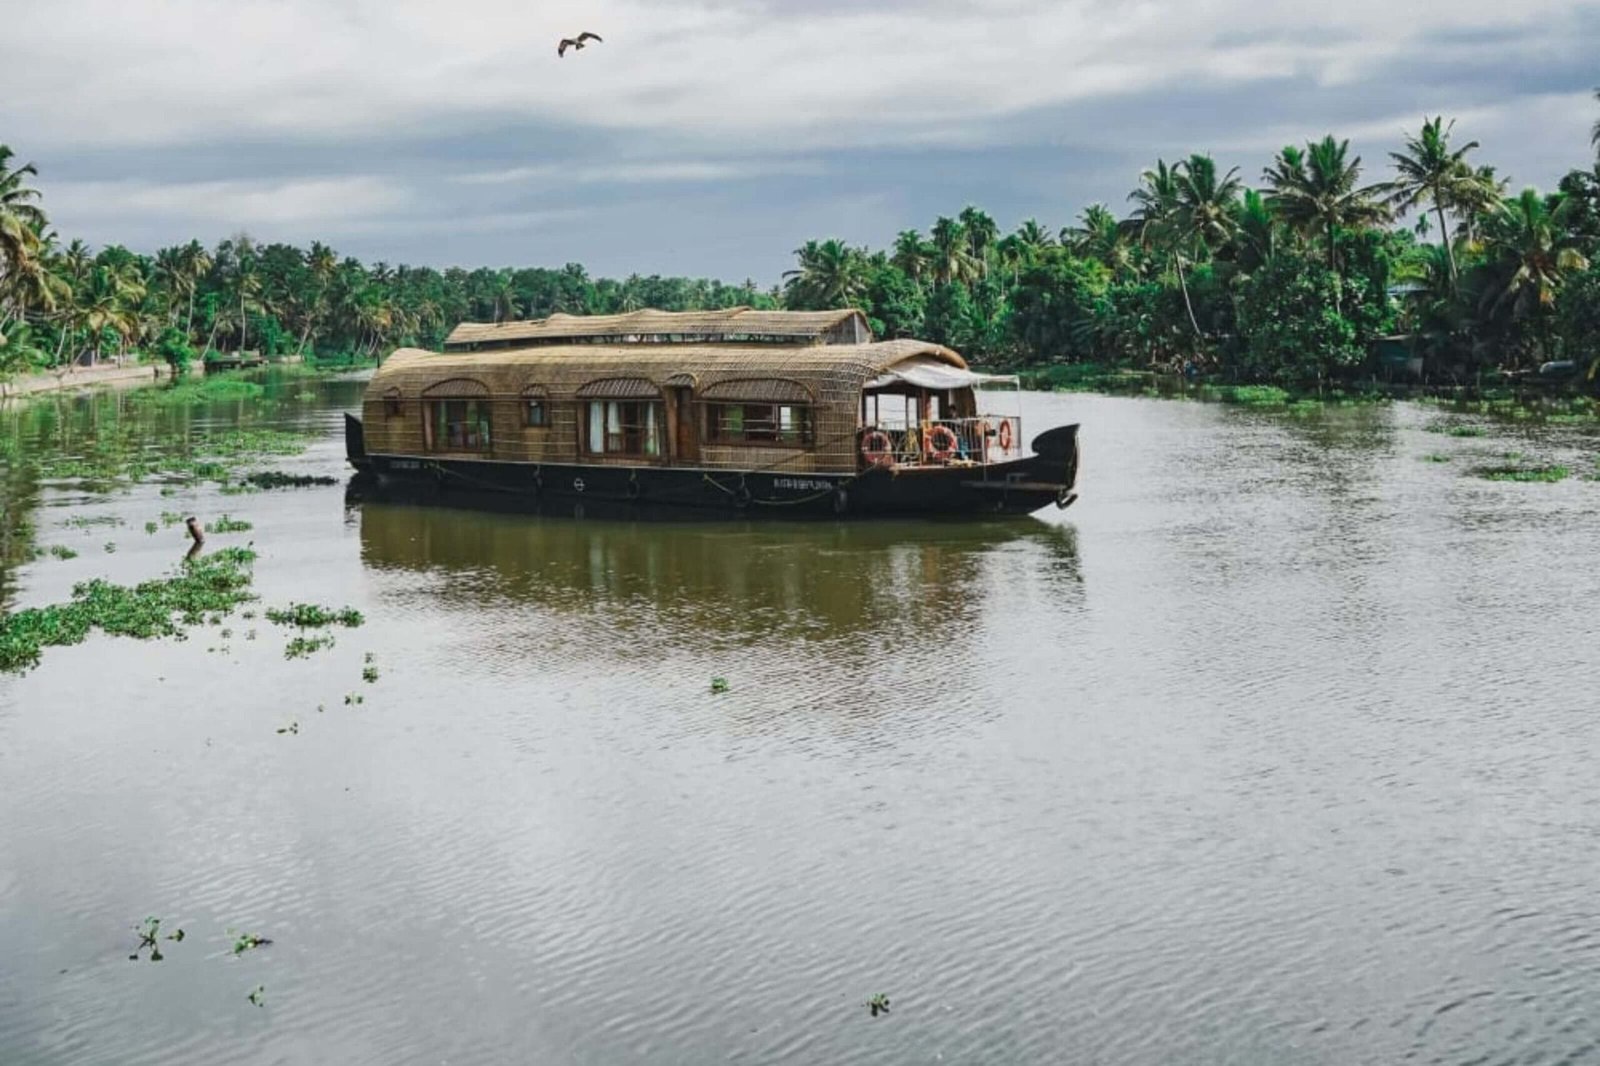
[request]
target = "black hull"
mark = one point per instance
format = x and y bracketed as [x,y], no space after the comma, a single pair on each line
[1016,488]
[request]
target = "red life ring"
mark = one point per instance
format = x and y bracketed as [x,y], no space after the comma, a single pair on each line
[876,448]
[1005,435]
[942,442]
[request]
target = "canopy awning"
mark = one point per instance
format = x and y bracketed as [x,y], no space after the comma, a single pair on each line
[925,372]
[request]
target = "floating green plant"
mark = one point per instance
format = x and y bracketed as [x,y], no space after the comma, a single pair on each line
[292,728]
[878,1004]
[150,939]
[719,684]
[305,647]
[1524,473]
[258,996]
[1435,457]
[273,479]
[225,524]
[248,942]
[312,616]
[369,672]
[151,528]
[352,699]
[212,584]
[61,551]
[111,547]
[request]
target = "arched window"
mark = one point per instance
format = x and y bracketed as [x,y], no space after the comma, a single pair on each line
[771,411]
[623,417]
[392,405]
[456,416]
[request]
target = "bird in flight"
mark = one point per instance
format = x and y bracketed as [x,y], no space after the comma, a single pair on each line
[576,42]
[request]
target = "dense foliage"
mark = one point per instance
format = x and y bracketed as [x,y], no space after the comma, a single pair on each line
[1291,282]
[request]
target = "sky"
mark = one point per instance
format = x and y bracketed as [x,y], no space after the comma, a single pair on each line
[712,137]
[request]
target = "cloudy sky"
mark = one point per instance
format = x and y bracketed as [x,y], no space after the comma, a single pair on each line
[711,137]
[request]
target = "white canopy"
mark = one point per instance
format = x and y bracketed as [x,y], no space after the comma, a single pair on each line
[926,372]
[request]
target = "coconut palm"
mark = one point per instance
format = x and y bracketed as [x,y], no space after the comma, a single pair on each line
[1156,201]
[952,257]
[1594,133]
[981,234]
[830,274]
[1530,252]
[21,218]
[1319,190]
[1429,171]
[1101,236]
[912,254]
[1255,232]
[1204,215]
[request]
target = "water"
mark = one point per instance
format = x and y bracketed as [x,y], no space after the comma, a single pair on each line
[1277,749]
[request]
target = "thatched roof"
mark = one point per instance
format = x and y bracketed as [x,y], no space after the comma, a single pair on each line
[732,325]
[834,370]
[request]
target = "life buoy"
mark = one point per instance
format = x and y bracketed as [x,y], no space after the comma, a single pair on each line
[877,449]
[942,442]
[1005,436]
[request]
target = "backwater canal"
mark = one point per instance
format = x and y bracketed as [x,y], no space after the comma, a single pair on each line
[1278,748]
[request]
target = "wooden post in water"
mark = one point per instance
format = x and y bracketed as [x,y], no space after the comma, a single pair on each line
[195,531]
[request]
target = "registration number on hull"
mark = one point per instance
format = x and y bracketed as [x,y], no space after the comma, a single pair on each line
[801,484]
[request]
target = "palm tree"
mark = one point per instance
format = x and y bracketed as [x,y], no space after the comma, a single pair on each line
[1318,190]
[1530,252]
[1204,215]
[21,218]
[830,274]
[981,233]
[1255,232]
[1594,134]
[912,254]
[1158,223]
[952,261]
[1101,236]
[1430,171]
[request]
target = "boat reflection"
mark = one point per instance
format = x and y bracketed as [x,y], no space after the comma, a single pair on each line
[651,577]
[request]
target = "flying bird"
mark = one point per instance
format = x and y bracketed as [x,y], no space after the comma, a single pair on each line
[577,42]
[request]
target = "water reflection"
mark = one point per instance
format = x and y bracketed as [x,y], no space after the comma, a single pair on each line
[897,583]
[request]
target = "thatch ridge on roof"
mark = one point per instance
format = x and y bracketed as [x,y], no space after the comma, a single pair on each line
[845,325]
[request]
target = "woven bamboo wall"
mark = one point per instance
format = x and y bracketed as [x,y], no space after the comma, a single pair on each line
[785,327]
[834,374]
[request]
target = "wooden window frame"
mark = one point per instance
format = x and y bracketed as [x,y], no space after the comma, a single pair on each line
[639,428]
[717,431]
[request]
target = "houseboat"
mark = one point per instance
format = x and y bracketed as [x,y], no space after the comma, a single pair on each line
[776,412]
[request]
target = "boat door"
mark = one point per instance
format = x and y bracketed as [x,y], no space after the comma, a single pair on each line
[686,430]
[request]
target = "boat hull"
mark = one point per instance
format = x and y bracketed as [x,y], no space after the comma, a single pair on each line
[1019,487]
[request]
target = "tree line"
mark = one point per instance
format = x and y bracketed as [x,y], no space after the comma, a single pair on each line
[1291,279]
[62,303]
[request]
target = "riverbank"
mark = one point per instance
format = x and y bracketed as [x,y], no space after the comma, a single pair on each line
[87,377]
[1557,401]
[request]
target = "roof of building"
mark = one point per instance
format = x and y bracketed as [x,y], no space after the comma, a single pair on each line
[833,369]
[732,324]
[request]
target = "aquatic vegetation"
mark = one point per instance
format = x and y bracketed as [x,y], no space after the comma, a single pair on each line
[225,524]
[258,996]
[1523,473]
[217,388]
[719,684]
[61,551]
[248,941]
[292,727]
[1246,395]
[305,647]
[151,528]
[110,547]
[311,616]
[274,479]
[878,1004]
[150,939]
[1435,457]
[369,673]
[352,699]
[90,521]
[1458,430]
[213,584]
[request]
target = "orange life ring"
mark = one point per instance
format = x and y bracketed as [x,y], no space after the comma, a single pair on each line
[1005,435]
[942,442]
[876,448]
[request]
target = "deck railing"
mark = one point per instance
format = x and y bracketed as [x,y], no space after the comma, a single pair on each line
[944,442]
